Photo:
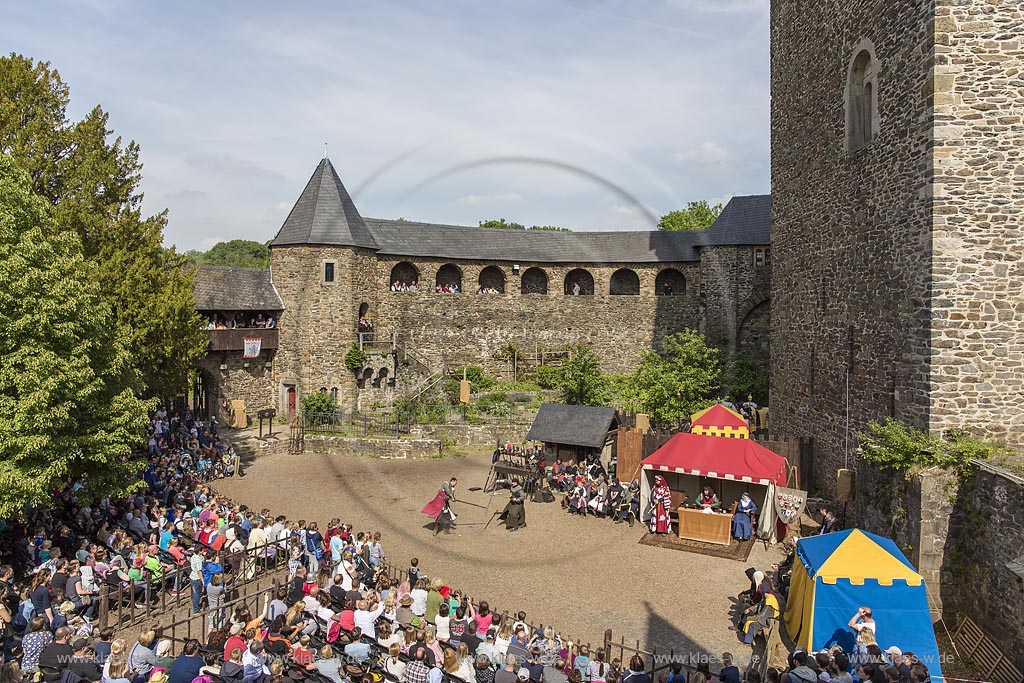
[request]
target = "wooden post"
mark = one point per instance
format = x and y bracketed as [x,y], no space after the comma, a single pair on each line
[101,617]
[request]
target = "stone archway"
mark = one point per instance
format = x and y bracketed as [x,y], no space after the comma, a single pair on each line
[753,335]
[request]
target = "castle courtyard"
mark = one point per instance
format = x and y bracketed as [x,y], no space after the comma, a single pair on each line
[580,575]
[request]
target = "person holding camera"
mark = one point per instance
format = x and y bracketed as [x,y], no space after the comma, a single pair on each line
[864,625]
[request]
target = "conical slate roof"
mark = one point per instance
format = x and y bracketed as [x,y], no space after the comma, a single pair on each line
[325,214]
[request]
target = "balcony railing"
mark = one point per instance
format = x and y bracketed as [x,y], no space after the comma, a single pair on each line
[234,340]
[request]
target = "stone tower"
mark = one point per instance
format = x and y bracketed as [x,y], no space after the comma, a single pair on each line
[898,198]
[318,263]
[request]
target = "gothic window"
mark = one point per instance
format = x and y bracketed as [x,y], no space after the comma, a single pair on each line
[534,281]
[624,281]
[861,100]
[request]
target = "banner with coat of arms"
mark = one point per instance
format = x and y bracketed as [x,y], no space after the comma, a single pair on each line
[253,345]
[789,504]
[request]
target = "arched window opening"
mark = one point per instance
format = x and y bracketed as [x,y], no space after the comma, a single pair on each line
[448,280]
[534,281]
[404,277]
[861,102]
[492,281]
[624,281]
[670,282]
[364,308]
[579,282]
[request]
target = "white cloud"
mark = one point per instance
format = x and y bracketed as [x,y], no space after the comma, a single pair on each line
[708,155]
[240,109]
[489,199]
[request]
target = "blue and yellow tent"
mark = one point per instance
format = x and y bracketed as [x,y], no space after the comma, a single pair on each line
[835,574]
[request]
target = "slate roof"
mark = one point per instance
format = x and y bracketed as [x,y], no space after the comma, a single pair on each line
[572,425]
[228,288]
[744,220]
[406,238]
[325,214]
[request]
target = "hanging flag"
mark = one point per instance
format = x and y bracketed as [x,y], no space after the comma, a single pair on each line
[252,347]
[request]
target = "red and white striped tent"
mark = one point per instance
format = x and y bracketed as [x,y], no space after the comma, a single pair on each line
[687,461]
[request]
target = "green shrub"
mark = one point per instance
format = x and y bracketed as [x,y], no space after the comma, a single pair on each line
[319,402]
[355,359]
[548,377]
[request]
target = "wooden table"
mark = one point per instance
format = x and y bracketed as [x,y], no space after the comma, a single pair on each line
[701,526]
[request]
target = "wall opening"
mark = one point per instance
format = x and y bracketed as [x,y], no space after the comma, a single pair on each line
[448,279]
[534,281]
[579,282]
[404,275]
[492,281]
[670,282]
[624,282]
[861,99]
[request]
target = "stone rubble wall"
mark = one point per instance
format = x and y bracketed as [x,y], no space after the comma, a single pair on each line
[851,232]
[978,253]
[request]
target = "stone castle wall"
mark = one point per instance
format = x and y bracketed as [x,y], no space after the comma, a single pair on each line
[851,231]
[318,324]
[978,253]
[468,328]
[248,379]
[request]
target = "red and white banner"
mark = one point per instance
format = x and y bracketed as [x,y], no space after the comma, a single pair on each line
[252,347]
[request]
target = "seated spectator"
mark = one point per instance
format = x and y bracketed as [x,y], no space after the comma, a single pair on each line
[56,656]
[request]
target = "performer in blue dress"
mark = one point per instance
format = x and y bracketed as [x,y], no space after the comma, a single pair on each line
[741,526]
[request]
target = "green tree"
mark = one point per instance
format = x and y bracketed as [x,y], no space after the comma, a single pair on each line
[550,228]
[696,216]
[741,376]
[501,224]
[676,382]
[92,179]
[581,382]
[243,253]
[67,401]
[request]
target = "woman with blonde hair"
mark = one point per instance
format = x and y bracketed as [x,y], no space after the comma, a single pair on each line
[410,640]
[504,636]
[466,670]
[393,665]
[116,672]
[391,607]
[118,653]
[430,640]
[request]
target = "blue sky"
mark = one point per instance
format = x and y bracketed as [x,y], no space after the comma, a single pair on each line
[442,111]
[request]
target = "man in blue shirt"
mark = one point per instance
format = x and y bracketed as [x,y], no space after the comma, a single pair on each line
[187,665]
[357,650]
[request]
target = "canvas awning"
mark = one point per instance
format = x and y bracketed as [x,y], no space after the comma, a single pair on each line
[720,458]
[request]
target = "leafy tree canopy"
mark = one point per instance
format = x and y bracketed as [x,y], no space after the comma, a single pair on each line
[894,445]
[67,400]
[242,253]
[581,382]
[678,381]
[696,216]
[742,377]
[502,224]
[92,180]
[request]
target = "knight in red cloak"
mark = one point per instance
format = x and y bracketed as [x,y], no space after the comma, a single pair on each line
[440,507]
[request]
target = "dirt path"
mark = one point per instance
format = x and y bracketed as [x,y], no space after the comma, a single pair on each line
[581,575]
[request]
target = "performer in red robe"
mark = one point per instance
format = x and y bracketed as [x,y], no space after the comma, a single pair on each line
[440,507]
[661,503]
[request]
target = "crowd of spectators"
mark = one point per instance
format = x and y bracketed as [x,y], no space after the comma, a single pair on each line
[342,615]
[399,286]
[241,321]
[447,288]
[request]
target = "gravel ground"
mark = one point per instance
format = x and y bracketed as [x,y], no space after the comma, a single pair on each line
[581,575]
